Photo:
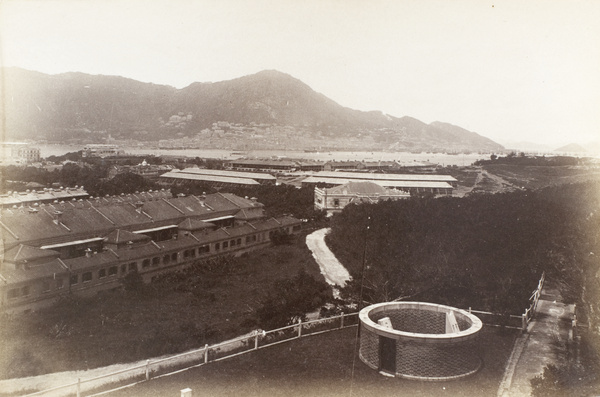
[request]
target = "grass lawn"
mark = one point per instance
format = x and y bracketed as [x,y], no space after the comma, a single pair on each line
[164,318]
[535,177]
[325,365]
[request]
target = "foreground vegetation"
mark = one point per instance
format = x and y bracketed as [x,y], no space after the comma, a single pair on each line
[208,303]
[486,252]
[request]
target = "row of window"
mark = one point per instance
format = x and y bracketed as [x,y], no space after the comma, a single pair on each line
[103,273]
[18,292]
[25,291]
[115,270]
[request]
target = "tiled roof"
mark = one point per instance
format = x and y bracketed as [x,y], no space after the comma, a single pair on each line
[49,269]
[27,253]
[359,187]
[385,177]
[385,183]
[209,178]
[45,195]
[239,201]
[109,257]
[233,174]
[99,217]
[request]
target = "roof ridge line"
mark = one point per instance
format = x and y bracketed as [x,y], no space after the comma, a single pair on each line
[231,201]
[172,205]
[10,231]
[98,211]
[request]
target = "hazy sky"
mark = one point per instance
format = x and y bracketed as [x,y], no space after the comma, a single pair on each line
[509,70]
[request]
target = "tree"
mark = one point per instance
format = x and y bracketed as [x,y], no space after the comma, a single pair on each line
[289,300]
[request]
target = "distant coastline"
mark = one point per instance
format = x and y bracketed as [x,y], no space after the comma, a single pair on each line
[405,158]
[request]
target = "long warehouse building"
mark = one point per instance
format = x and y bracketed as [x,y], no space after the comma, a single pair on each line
[217,177]
[364,176]
[414,186]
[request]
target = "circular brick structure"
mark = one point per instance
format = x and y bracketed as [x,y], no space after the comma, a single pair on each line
[418,340]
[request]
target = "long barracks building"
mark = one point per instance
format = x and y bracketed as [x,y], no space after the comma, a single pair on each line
[413,183]
[217,177]
[82,247]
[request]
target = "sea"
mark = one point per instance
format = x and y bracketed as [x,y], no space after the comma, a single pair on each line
[404,158]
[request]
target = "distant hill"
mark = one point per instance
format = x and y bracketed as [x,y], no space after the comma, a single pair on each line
[267,108]
[571,148]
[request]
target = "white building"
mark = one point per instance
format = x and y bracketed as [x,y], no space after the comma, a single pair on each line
[336,198]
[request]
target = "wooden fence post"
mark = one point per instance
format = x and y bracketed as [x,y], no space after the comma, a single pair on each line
[205,353]
[78,387]
[299,327]
[524,321]
[147,369]
[342,321]
[256,340]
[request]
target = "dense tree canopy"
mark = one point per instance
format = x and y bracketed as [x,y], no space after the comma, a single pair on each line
[485,251]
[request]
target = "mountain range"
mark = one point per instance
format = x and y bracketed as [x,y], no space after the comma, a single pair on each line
[268,109]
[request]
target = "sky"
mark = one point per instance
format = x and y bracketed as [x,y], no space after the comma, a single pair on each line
[513,70]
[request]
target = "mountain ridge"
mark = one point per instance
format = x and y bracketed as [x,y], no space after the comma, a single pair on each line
[78,106]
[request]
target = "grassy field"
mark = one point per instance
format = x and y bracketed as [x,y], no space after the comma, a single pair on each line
[535,177]
[163,318]
[325,365]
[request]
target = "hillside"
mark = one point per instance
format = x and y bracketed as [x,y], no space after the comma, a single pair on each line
[83,108]
[571,148]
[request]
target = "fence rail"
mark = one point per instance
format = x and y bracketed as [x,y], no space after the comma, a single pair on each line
[511,320]
[260,339]
[160,367]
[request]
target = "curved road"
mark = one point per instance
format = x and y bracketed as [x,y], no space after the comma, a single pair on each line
[335,274]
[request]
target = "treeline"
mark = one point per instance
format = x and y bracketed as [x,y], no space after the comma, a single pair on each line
[524,160]
[92,177]
[483,251]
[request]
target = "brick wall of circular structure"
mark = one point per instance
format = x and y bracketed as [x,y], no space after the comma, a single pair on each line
[422,348]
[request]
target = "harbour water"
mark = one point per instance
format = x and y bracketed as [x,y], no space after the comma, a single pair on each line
[404,158]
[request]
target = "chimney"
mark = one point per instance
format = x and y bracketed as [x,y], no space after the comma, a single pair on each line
[57,215]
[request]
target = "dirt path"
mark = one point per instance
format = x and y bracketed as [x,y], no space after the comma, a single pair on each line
[334,272]
[545,342]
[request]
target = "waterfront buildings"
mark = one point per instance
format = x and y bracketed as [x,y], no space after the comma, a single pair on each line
[102,150]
